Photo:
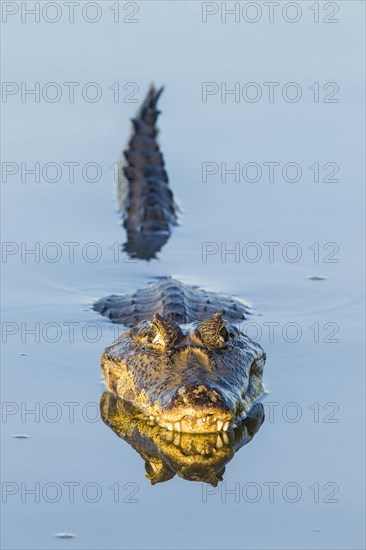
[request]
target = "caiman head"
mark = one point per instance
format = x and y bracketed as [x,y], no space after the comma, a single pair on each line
[197,378]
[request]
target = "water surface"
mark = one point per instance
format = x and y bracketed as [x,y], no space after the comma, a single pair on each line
[299,483]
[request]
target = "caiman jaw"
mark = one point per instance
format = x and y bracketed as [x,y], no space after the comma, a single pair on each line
[208,423]
[195,409]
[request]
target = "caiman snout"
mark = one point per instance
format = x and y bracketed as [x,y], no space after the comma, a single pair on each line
[198,395]
[197,408]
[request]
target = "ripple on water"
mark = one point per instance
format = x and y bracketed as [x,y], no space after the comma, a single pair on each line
[317,278]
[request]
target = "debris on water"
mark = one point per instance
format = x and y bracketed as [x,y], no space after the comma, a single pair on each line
[65,535]
[23,353]
[317,278]
[21,436]
[317,529]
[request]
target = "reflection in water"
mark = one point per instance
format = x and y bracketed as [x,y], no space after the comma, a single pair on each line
[195,457]
[144,196]
[144,245]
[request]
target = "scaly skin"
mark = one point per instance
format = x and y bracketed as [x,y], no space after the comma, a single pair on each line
[195,457]
[199,377]
[172,299]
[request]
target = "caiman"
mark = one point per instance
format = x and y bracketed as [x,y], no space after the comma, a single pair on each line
[183,360]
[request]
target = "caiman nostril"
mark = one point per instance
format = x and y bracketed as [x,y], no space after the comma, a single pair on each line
[199,395]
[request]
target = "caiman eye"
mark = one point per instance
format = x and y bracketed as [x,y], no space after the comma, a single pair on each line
[214,333]
[147,333]
[151,334]
[224,334]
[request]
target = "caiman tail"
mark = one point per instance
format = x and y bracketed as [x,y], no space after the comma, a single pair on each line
[144,196]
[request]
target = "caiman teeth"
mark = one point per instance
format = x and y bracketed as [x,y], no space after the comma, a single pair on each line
[225,438]
[221,425]
[219,443]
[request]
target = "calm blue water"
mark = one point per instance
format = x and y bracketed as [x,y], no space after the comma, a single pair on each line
[299,484]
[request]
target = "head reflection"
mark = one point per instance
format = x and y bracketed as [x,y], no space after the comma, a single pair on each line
[194,457]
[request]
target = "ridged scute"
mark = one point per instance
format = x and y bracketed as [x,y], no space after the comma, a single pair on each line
[172,299]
